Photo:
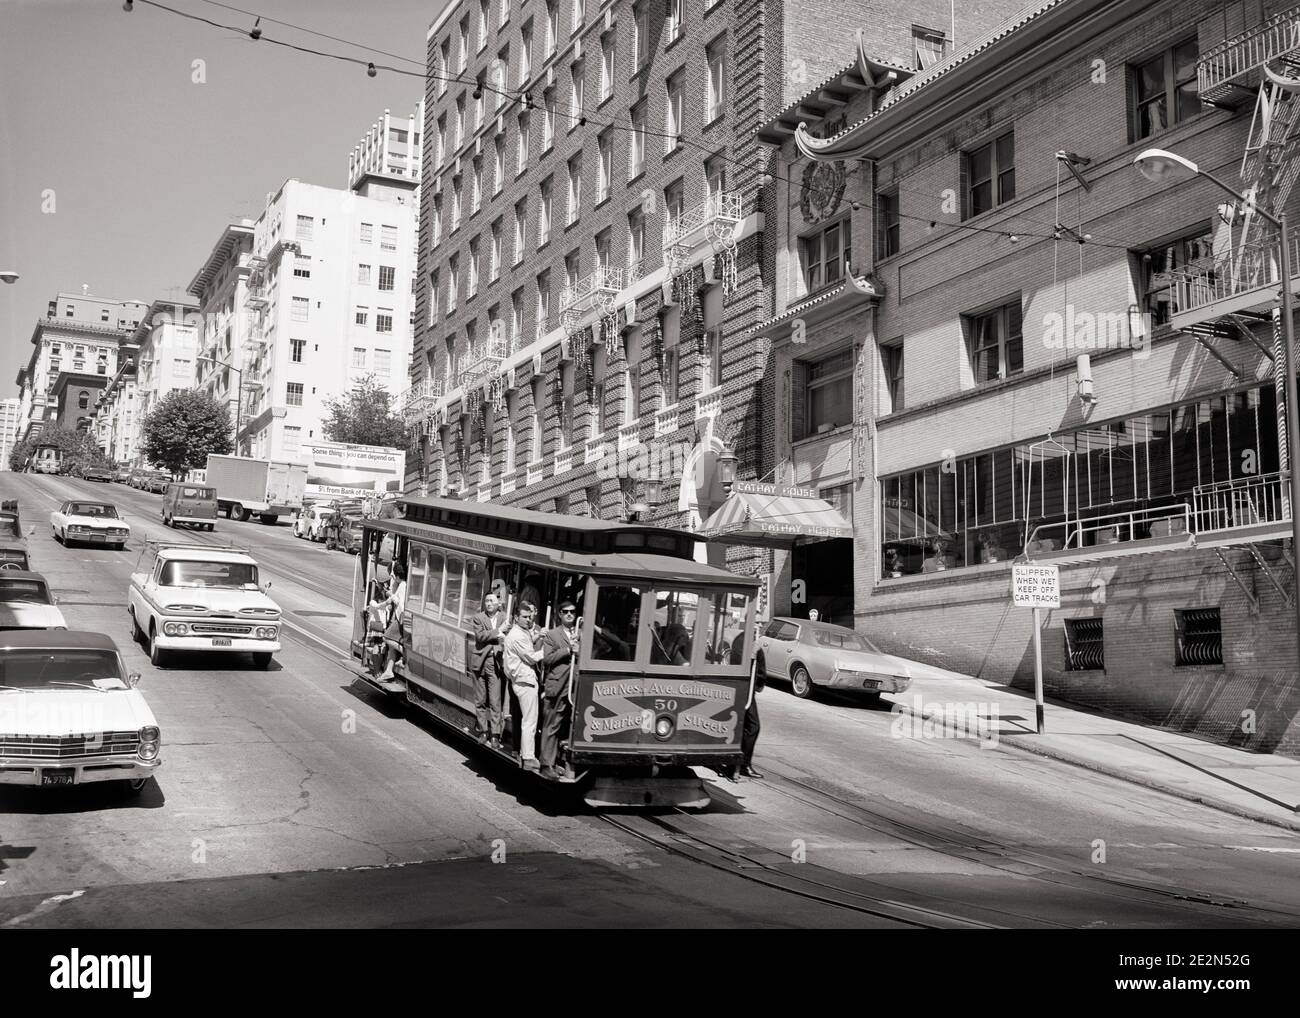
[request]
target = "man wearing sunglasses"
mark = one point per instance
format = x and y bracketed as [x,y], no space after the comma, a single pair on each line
[559,649]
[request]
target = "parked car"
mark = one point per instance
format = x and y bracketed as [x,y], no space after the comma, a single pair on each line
[71,714]
[89,523]
[122,475]
[190,598]
[103,475]
[811,654]
[343,530]
[310,523]
[26,602]
[157,483]
[192,504]
[13,546]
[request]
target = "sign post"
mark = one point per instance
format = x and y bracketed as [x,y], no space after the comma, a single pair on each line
[1036,587]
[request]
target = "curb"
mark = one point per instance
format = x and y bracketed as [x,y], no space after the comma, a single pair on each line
[1089,764]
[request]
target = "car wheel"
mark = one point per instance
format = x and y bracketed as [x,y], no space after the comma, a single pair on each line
[211,527]
[262,659]
[239,512]
[801,683]
[137,634]
[119,547]
[132,787]
[157,655]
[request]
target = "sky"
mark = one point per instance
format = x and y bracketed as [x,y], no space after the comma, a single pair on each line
[117,170]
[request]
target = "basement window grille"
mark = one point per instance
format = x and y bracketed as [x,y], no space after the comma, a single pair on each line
[1085,648]
[1198,636]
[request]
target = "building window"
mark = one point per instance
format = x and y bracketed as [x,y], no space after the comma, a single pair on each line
[444,65]
[635,243]
[990,174]
[482,24]
[83,400]
[552,28]
[306,224]
[824,255]
[384,320]
[674,111]
[636,143]
[455,205]
[605,165]
[521,144]
[293,394]
[543,322]
[711,369]
[669,376]
[1165,90]
[995,342]
[494,259]
[498,164]
[296,348]
[596,422]
[715,86]
[512,408]
[544,214]
[1085,648]
[606,66]
[302,267]
[462,56]
[891,361]
[388,238]
[674,20]
[383,362]
[548,119]
[103,315]
[440,143]
[641,32]
[521,229]
[566,406]
[476,186]
[887,224]
[1161,268]
[359,358]
[674,201]
[387,277]
[525,51]
[535,420]
[453,284]
[1198,637]
[471,286]
[437,221]
[298,312]
[367,232]
[575,96]
[459,123]
[516,319]
[715,176]
[829,396]
[363,275]
[928,47]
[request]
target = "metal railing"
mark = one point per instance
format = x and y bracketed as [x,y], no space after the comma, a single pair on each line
[1237,57]
[1111,528]
[484,360]
[1201,284]
[1243,502]
[418,400]
[587,292]
[721,206]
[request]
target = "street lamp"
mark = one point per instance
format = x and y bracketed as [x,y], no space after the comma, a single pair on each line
[8,276]
[239,393]
[727,461]
[1158,166]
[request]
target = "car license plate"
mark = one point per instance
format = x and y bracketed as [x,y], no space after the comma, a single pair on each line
[97,537]
[58,776]
[221,641]
[870,683]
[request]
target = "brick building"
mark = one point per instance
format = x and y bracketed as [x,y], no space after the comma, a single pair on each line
[1150,470]
[592,257]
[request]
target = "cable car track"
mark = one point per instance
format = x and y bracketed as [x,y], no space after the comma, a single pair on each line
[744,865]
[1001,857]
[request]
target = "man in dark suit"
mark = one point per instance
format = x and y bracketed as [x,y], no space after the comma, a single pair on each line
[484,668]
[559,649]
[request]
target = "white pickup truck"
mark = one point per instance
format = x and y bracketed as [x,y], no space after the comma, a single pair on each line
[202,598]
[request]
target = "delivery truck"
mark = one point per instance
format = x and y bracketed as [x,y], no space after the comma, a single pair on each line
[249,487]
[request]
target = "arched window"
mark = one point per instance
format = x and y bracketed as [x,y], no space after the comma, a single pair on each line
[83,400]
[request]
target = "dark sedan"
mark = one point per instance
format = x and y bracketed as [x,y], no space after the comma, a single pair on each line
[101,474]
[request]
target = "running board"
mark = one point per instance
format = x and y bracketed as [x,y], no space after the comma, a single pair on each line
[614,791]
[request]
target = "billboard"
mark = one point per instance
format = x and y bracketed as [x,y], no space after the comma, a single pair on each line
[337,470]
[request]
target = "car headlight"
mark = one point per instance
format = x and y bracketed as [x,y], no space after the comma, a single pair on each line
[150,742]
[176,629]
[266,632]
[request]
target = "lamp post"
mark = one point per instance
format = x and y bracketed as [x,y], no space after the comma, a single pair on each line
[239,393]
[8,276]
[1159,165]
[727,461]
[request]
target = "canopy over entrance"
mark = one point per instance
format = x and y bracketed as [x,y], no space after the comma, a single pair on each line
[772,516]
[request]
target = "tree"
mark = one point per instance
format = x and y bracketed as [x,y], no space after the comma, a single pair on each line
[185,426]
[364,417]
[78,449]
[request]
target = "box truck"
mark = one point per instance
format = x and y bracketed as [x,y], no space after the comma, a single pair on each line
[249,487]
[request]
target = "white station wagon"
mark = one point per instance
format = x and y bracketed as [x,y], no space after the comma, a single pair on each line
[202,598]
[89,523]
[71,715]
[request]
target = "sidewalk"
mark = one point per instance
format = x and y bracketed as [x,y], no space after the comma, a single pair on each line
[1263,787]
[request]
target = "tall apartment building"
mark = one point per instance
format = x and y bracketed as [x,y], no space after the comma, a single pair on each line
[117,422]
[940,377]
[9,420]
[168,339]
[392,147]
[79,334]
[303,302]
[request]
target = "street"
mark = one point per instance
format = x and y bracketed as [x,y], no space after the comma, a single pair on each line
[291,797]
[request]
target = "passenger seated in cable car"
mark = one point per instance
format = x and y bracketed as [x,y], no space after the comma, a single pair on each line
[672,645]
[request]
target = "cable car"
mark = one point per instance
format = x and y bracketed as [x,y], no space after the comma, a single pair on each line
[664,672]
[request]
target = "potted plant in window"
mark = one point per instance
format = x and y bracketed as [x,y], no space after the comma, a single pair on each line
[893,563]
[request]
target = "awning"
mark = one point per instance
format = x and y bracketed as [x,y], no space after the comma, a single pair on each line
[769,516]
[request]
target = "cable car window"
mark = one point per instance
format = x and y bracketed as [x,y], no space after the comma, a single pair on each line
[475,569]
[663,542]
[617,619]
[722,624]
[415,576]
[673,627]
[629,542]
[451,601]
[433,585]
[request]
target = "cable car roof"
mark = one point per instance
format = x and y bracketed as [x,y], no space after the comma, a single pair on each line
[635,565]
